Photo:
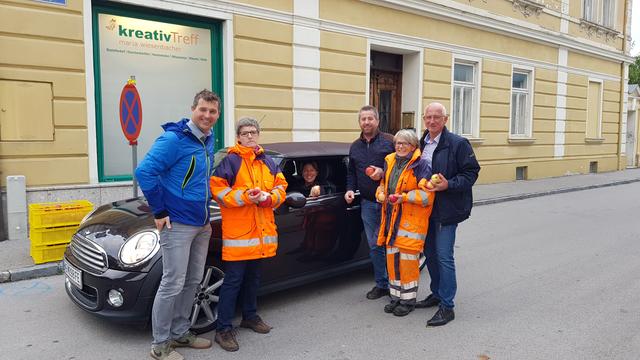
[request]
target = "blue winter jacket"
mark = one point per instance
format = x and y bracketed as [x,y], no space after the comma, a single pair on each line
[362,154]
[174,175]
[454,158]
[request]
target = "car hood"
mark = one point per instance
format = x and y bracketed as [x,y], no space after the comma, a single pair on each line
[110,225]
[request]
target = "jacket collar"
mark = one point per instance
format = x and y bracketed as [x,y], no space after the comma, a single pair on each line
[373,138]
[247,152]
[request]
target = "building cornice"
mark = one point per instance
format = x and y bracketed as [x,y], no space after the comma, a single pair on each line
[468,15]
[464,15]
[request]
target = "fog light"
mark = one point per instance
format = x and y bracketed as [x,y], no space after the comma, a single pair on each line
[115,298]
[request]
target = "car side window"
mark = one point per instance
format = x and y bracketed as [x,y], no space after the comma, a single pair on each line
[331,174]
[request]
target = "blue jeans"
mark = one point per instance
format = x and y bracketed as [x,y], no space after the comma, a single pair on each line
[184,250]
[240,278]
[371,212]
[442,268]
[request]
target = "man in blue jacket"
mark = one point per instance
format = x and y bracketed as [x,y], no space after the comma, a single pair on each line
[452,158]
[174,177]
[366,162]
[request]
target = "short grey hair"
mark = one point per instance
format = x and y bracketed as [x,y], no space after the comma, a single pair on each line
[369,108]
[247,121]
[407,135]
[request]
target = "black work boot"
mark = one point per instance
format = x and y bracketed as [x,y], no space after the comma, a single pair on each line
[377,293]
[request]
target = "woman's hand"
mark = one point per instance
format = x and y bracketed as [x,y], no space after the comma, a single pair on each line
[315,191]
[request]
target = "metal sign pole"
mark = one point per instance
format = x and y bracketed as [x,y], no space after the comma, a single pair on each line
[134,161]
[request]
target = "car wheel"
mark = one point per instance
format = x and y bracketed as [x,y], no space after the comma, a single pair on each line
[204,314]
[422,261]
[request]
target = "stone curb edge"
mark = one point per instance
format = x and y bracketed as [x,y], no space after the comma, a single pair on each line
[501,199]
[31,272]
[56,268]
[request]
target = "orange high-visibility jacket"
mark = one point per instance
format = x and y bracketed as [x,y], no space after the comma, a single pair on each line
[248,230]
[409,219]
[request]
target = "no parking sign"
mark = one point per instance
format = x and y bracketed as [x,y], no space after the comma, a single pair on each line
[130,111]
[131,122]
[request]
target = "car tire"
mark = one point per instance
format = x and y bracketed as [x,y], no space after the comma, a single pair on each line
[204,313]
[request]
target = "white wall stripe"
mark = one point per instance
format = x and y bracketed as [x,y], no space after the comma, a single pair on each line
[306,73]
[561,105]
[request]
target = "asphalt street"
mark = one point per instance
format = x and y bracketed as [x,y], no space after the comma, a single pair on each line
[552,277]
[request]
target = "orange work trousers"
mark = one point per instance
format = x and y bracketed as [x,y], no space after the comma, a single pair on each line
[404,274]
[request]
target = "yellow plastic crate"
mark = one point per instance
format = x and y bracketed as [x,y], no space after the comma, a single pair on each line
[57,214]
[47,253]
[51,236]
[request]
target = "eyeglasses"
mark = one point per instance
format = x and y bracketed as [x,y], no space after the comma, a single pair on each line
[402,143]
[433,117]
[253,133]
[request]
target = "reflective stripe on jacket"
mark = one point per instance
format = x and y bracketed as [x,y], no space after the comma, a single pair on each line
[409,219]
[248,230]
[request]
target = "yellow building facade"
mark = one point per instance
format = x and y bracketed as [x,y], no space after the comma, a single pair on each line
[538,86]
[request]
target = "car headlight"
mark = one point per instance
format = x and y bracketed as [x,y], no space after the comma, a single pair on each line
[139,248]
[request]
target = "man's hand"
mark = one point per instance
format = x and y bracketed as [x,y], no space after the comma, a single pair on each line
[377,173]
[254,195]
[160,223]
[442,185]
[349,196]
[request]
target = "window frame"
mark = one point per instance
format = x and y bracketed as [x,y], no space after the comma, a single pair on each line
[593,11]
[528,121]
[476,63]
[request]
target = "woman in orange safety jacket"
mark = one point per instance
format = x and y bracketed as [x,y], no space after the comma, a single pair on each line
[248,185]
[405,219]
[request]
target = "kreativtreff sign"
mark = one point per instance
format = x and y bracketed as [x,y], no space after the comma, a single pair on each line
[170,64]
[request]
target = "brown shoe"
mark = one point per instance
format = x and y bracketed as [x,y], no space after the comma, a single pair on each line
[227,340]
[256,324]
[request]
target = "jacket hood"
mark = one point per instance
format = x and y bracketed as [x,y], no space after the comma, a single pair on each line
[179,126]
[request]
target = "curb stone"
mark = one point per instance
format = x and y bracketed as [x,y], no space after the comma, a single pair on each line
[31,272]
[501,199]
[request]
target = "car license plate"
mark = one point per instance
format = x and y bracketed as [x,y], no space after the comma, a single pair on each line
[73,274]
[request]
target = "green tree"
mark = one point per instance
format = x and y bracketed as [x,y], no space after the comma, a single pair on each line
[634,72]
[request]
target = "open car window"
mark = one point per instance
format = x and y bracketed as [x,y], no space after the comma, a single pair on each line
[332,172]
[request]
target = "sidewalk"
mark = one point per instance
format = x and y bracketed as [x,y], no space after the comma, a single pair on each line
[16,264]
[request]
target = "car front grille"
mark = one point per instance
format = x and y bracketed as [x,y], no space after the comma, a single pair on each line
[89,254]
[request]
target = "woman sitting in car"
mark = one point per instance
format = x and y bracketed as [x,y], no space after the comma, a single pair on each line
[311,186]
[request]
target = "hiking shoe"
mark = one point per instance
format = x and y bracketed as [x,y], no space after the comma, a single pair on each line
[227,340]
[190,339]
[390,306]
[165,352]
[256,324]
[377,293]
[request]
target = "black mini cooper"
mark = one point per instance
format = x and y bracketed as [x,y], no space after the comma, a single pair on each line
[113,264]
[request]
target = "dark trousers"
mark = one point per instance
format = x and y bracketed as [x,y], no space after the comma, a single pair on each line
[240,278]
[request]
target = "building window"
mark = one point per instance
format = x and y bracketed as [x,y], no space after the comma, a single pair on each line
[464,112]
[594,110]
[521,97]
[601,12]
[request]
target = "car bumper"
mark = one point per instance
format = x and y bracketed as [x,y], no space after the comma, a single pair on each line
[137,288]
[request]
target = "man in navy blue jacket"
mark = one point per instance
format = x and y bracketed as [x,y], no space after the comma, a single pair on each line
[174,177]
[366,162]
[452,158]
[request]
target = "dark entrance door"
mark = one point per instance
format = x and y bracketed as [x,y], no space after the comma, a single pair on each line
[385,89]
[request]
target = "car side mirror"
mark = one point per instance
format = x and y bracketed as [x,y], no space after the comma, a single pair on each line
[295,200]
